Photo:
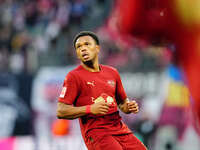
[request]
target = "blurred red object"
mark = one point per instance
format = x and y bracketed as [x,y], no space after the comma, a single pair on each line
[179,22]
[60,127]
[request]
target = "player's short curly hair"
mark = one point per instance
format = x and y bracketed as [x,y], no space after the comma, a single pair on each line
[86,33]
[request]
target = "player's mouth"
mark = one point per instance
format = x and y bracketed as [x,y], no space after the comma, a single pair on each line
[85,55]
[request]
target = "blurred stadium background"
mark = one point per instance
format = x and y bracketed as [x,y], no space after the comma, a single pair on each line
[155,44]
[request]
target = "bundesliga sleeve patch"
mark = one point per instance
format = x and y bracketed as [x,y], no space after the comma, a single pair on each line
[62,94]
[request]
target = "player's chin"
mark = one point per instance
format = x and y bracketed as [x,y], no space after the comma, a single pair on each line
[87,62]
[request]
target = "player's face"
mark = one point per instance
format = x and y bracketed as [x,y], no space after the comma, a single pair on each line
[86,48]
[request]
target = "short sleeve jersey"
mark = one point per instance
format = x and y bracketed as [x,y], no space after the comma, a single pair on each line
[82,87]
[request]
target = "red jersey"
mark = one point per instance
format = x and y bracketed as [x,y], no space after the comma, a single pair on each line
[82,87]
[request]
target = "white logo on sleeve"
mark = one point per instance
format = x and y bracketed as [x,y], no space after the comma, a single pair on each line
[62,94]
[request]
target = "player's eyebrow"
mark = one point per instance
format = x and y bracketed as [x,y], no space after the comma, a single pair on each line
[77,45]
[87,42]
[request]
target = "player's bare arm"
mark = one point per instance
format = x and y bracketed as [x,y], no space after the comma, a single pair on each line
[65,111]
[128,106]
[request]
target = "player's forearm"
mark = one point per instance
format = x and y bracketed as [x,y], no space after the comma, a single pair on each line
[70,112]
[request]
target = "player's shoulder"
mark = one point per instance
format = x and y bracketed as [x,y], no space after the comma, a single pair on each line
[74,72]
[109,68]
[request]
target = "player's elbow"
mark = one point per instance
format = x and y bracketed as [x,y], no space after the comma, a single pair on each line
[59,114]
[63,114]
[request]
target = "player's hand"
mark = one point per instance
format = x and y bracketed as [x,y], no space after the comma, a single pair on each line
[133,106]
[99,108]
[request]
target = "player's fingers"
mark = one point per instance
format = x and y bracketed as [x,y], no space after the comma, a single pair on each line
[133,101]
[134,108]
[136,111]
[132,104]
[103,111]
[105,107]
[105,104]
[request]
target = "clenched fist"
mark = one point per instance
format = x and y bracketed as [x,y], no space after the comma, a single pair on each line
[129,106]
[99,108]
[132,106]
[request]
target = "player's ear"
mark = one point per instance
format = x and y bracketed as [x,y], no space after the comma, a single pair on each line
[98,48]
[77,54]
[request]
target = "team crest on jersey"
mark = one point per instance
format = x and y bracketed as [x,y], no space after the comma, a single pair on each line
[107,99]
[111,83]
[110,100]
[99,99]
[62,94]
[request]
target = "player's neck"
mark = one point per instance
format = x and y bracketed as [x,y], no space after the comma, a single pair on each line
[91,66]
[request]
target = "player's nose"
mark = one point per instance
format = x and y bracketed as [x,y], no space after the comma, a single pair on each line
[83,49]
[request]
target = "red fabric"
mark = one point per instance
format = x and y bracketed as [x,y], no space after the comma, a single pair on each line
[129,14]
[189,58]
[164,18]
[141,18]
[83,87]
[115,142]
[185,36]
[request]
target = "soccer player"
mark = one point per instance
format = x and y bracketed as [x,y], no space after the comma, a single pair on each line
[93,92]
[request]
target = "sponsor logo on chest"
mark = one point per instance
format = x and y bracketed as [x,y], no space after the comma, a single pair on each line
[105,98]
[90,83]
[111,83]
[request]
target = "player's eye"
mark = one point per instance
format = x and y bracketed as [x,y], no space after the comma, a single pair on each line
[78,46]
[86,43]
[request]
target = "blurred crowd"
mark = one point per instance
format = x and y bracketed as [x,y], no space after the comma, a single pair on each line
[34,34]
[37,33]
